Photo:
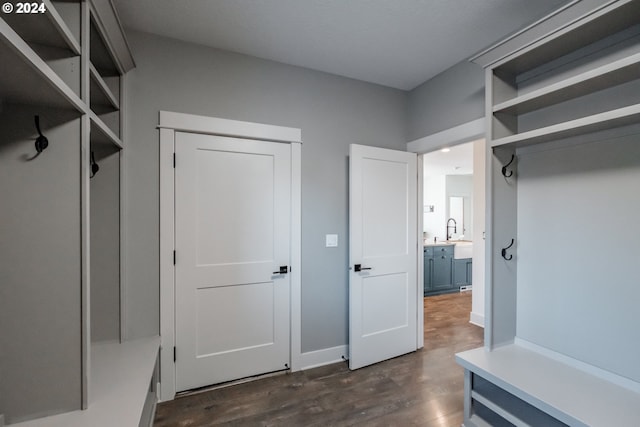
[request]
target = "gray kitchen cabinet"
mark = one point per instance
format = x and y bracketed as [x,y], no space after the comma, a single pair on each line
[438,269]
[462,272]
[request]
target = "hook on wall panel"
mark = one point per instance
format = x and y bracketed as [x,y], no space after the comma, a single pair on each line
[504,251]
[41,141]
[504,168]
[94,166]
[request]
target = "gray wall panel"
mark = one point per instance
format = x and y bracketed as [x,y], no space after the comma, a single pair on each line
[40,348]
[578,287]
[105,250]
[332,112]
[451,98]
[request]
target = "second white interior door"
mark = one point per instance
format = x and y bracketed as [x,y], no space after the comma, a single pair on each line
[383,244]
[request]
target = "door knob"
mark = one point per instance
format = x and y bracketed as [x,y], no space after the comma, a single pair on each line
[283,270]
[359,267]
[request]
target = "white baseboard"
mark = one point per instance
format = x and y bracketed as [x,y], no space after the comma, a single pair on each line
[627,383]
[476,319]
[326,356]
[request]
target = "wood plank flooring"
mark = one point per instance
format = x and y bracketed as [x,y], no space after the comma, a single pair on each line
[424,388]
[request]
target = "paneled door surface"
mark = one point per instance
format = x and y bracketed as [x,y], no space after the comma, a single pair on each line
[383,241]
[232,218]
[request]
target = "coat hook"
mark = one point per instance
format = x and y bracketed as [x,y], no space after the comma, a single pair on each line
[41,141]
[504,251]
[94,166]
[504,168]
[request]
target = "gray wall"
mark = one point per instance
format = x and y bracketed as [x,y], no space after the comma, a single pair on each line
[105,249]
[40,347]
[577,250]
[332,112]
[451,98]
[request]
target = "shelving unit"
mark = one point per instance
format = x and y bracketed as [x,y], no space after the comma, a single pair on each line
[563,100]
[38,83]
[60,319]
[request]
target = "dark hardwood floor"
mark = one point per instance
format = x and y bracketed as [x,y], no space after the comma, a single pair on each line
[424,388]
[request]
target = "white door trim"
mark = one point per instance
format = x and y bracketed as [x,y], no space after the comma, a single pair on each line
[169,124]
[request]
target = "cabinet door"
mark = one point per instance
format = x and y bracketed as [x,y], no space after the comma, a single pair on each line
[442,270]
[462,272]
[428,271]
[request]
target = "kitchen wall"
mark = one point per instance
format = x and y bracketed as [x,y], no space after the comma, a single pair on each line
[435,196]
[332,112]
[461,186]
[437,190]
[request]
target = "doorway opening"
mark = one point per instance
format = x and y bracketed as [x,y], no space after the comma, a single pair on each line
[453,224]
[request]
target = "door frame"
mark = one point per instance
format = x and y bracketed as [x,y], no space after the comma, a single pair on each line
[466,132]
[169,124]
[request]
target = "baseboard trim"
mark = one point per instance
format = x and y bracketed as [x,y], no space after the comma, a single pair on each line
[326,356]
[476,319]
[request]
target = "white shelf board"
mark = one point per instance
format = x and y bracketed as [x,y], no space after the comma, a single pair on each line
[31,81]
[101,95]
[590,27]
[47,28]
[601,121]
[609,75]
[120,378]
[562,391]
[101,134]
[101,56]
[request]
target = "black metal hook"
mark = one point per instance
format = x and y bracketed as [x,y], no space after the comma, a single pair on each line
[41,141]
[94,166]
[504,251]
[504,168]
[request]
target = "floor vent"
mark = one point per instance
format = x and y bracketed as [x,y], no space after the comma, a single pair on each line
[465,288]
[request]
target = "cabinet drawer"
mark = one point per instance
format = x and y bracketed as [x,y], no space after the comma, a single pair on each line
[443,250]
[428,251]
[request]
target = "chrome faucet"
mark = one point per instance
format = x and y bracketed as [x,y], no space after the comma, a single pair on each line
[450,226]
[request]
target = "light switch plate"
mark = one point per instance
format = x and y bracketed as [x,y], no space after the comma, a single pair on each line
[331,240]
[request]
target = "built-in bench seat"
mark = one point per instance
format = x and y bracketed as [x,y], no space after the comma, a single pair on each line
[515,385]
[122,387]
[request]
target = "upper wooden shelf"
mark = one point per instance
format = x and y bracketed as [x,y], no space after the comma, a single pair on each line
[603,77]
[609,19]
[102,98]
[48,29]
[28,79]
[101,134]
[100,54]
[596,122]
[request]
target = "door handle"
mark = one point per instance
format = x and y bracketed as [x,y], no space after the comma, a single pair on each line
[283,270]
[359,267]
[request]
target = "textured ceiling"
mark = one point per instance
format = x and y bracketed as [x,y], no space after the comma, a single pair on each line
[396,43]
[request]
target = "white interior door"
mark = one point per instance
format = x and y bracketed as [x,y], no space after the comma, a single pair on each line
[383,247]
[232,219]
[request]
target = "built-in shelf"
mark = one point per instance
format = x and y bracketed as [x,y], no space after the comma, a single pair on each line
[606,76]
[101,57]
[120,378]
[568,394]
[47,28]
[101,134]
[607,20]
[32,81]
[102,99]
[596,122]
